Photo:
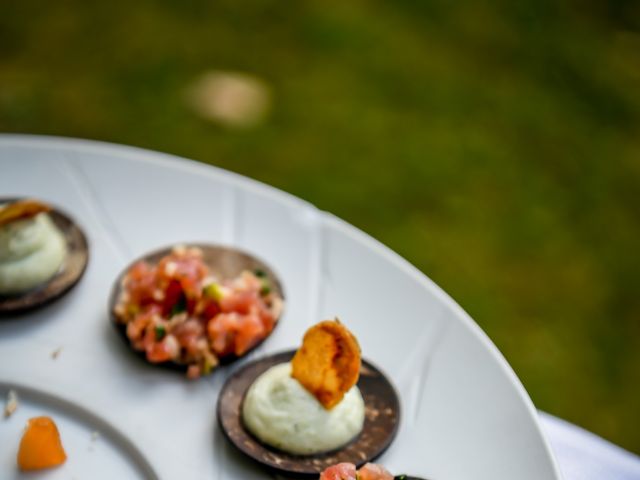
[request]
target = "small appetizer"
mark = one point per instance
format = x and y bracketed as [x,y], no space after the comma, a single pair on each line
[310,405]
[300,412]
[32,248]
[180,311]
[43,254]
[40,446]
[347,471]
[369,471]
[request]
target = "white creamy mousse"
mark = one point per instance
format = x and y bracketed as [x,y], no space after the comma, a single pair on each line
[282,413]
[31,252]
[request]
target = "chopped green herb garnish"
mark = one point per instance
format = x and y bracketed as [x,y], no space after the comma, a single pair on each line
[260,273]
[400,477]
[160,332]
[266,287]
[180,306]
[207,366]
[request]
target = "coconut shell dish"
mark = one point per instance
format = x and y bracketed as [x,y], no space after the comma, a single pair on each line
[71,269]
[382,418]
[193,307]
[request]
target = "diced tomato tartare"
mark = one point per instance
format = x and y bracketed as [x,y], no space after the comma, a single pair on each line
[178,311]
[347,471]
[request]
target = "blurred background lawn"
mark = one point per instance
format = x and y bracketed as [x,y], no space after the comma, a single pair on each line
[496,146]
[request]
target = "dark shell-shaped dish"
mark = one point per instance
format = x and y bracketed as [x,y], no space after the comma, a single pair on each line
[225,262]
[69,274]
[382,417]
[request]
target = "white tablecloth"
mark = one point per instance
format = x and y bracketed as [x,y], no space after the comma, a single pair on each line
[585,456]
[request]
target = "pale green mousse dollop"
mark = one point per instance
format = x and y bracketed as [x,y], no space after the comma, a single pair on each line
[31,252]
[281,413]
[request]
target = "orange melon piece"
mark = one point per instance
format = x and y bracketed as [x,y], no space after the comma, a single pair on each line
[328,362]
[40,446]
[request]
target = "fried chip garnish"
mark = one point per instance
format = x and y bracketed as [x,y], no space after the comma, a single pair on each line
[20,209]
[328,362]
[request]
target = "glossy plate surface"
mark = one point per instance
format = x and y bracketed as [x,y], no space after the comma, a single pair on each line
[465,414]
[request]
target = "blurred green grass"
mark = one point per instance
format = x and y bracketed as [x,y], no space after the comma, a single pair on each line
[495,145]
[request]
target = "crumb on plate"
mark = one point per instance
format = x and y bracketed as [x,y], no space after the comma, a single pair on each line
[12,403]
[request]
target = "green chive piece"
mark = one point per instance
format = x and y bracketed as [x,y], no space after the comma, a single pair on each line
[266,287]
[180,306]
[207,367]
[161,332]
[260,273]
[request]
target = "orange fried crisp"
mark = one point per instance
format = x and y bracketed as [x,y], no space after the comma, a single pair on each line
[21,209]
[40,446]
[328,362]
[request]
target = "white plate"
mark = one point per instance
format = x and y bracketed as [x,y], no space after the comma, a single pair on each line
[465,414]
